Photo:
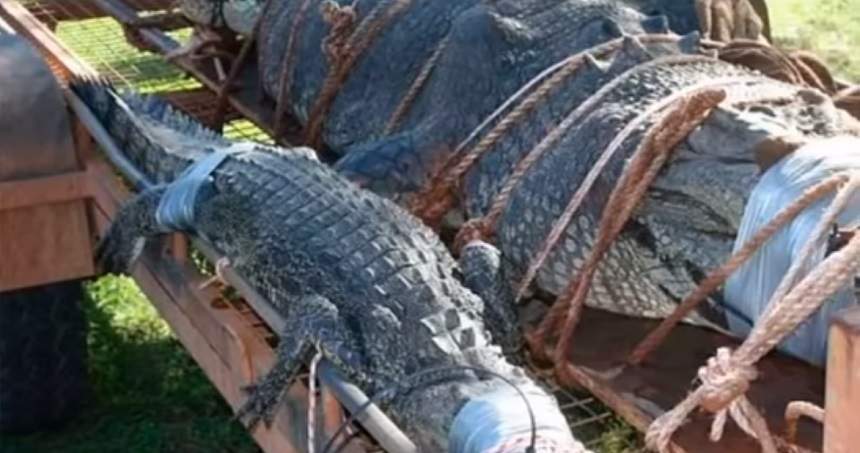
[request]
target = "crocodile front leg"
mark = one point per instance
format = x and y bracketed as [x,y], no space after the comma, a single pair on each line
[484,275]
[134,224]
[313,323]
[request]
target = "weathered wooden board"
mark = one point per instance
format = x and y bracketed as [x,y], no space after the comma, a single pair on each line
[44,229]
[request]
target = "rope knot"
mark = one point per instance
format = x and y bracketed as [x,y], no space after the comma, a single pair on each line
[724,380]
[341,19]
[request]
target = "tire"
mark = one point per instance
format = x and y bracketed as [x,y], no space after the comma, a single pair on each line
[43,357]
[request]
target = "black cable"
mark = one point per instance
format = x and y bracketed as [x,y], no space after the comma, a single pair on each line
[411,385]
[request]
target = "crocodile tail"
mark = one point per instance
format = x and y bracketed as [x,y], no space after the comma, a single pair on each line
[155,137]
[103,99]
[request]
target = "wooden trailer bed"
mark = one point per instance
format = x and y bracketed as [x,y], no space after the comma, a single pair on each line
[229,338]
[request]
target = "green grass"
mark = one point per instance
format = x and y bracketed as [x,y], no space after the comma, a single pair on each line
[149,396]
[829,28]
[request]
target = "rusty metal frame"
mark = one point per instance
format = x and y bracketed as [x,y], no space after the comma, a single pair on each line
[246,100]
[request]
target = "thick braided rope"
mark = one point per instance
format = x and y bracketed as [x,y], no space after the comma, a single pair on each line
[484,227]
[783,320]
[799,68]
[796,409]
[312,402]
[814,70]
[719,276]
[680,117]
[415,88]
[561,224]
[345,59]
[431,204]
[555,314]
[285,78]
[761,57]
[727,376]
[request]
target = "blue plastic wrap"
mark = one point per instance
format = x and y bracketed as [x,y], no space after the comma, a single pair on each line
[752,286]
[176,209]
[489,421]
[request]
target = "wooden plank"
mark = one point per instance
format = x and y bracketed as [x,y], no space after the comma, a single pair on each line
[43,190]
[49,243]
[842,417]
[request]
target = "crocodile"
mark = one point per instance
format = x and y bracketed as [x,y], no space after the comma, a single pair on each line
[657,259]
[688,220]
[466,57]
[358,279]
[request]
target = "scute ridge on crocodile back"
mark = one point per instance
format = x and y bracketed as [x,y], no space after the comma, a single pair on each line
[686,223]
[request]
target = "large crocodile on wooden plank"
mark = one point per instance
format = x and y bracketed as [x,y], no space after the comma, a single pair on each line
[614,88]
[688,220]
[357,278]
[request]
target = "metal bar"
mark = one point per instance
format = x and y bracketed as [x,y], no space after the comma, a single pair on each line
[390,437]
[101,136]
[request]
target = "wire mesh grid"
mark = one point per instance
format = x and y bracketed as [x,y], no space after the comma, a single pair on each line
[101,42]
[593,424]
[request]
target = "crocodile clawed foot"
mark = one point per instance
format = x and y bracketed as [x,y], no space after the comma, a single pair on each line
[262,402]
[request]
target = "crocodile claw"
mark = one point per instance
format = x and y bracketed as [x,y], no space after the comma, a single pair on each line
[261,404]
